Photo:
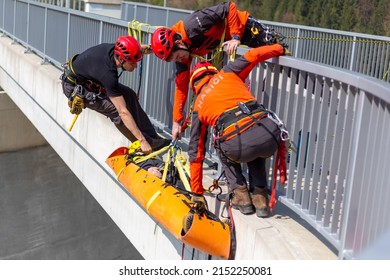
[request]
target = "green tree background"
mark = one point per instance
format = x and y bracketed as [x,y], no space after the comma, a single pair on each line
[362,16]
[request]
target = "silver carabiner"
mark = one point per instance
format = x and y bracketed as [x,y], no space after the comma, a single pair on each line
[284,135]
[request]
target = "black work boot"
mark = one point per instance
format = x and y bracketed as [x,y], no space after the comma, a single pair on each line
[260,201]
[159,143]
[242,201]
[199,202]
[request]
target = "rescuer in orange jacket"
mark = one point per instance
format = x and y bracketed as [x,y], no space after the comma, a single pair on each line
[244,131]
[199,34]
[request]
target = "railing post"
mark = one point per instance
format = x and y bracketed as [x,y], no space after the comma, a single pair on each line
[298,45]
[14,23]
[349,232]
[352,63]
[135,11]
[3,16]
[67,37]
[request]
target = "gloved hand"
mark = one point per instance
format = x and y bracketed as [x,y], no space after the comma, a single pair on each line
[76,105]
[285,49]
[146,49]
[199,202]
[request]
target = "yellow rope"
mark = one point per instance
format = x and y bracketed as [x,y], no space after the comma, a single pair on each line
[338,40]
[345,41]
[135,26]
[385,75]
[142,158]
[208,59]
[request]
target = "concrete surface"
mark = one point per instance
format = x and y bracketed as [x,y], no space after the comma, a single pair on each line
[17,132]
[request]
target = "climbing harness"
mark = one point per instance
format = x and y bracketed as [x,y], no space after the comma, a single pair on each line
[84,89]
[258,34]
[236,120]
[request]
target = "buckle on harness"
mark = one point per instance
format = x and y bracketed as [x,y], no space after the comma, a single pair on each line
[244,108]
[284,134]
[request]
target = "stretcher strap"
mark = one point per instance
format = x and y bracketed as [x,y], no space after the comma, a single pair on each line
[152,199]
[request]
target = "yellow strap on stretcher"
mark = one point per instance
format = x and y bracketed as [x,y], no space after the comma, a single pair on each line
[169,207]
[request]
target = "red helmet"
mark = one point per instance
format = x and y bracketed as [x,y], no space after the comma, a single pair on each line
[128,48]
[199,70]
[163,42]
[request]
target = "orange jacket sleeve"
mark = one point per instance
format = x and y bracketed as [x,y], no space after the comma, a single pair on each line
[244,64]
[181,92]
[196,153]
[236,20]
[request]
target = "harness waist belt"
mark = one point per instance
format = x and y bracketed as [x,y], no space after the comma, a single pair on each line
[70,76]
[235,121]
[235,114]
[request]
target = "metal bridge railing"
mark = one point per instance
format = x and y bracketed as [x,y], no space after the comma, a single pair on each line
[362,53]
[337,118]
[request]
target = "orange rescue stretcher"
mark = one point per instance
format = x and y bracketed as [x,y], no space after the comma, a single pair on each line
[172,208]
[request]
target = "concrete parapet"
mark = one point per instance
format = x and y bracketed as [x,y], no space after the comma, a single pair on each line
[17,132]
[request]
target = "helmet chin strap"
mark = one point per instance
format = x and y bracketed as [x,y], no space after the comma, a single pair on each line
[121,62]
[123,69]
[180,48]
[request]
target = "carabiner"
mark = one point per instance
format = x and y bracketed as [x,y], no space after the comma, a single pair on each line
[284,135]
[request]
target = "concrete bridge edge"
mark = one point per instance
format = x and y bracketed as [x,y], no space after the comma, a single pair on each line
[84,149]
[93,138]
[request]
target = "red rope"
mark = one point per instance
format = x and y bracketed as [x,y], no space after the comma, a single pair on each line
[279,166]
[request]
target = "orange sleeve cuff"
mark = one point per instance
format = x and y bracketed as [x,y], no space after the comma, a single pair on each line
[181,94]
[196,179]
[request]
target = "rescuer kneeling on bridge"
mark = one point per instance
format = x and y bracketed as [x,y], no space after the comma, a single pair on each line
[91,80]
[244,131]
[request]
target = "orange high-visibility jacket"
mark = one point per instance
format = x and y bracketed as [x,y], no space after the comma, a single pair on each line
[221,93]
[202,32]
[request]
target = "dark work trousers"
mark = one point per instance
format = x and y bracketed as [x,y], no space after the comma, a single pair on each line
[103,105]
[252,147]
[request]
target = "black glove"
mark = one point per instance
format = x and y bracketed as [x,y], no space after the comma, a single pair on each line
[199,202]
[76,105]
[146,49]
[285,49]
[76,100]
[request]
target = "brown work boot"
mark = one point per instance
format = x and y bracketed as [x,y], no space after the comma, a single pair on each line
[260,201]
[242,201]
